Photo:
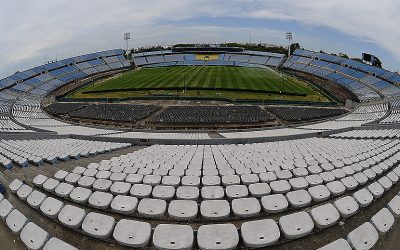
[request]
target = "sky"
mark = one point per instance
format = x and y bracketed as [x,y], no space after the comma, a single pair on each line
[36,31]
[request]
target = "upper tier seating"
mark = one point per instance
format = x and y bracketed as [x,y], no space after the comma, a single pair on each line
[367,82]
[244,59]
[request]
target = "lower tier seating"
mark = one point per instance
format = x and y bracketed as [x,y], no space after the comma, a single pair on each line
[115,112]
[299,114]
[212,115]
[30,234]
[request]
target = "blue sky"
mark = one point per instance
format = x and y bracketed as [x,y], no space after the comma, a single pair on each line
[35,31]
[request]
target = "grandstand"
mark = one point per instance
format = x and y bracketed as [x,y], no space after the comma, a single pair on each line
[368,82]
[329,181]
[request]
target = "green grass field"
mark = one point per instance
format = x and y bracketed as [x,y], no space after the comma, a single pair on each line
[228,82]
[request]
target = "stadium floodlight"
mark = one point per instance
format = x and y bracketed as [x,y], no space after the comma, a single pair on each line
[127,37]
[289,37]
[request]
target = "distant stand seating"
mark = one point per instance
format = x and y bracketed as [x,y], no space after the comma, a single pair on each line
[115,112]
[65,108]
[212,115]
[367,82]
[246,58]
[298,114]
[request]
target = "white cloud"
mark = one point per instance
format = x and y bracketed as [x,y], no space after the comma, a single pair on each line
[38,30]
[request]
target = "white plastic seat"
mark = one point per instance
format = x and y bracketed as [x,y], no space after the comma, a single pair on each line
[298,183]
[102,185]
[78,170]
[124,204]
[86,181]
[363,197]
[212,193]
[341,244]
[236,191]
[120,188]
[33,236]
[16,221]
[361,178]
[35,199]
[248,179]
[132,233]
[383,220]
[15,185]
[349,182]
[163,192]
[299,198]
[210,180]
[118,177]
[376,189]
[314,180]
[100,200]
[141,190]
[338,173]
[300,172]
[246,207]
[319,193]
[394,206]
[190,181]
[5,208]
[259,189]
[152,180]
[325,215]
[51,207]
[187,193]
[296,225]
[274,203]
[346,206]
[336,188]
[280,187]
[314,169]
[24,191]
[80,195]
[91,172]
[230,180]
[260,233]
[98,225]
[152,207]
[183,209]
[363,237]
[393,177]
[72,178]
[217,236]
[39,180]
[283,175]
[64,189]
[171,181]
[385,182]
[60,175]
[267,177]
[56,244]
[215,209]
[50,185]
[101,174]
[134,178]
[369,174]
[169,236]
[71,216]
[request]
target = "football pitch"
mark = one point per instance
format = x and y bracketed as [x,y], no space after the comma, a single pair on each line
[205,81]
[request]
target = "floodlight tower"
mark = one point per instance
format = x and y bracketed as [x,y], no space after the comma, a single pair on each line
[289,37]
[127,37]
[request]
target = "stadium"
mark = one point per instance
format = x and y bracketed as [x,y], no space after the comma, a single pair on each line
[201,146]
